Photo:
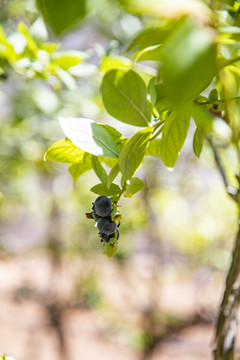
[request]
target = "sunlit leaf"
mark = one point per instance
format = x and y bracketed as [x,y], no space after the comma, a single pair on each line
[67,59]
[77,169]
[89,136]
[64,151]
[109,63]
[154,148]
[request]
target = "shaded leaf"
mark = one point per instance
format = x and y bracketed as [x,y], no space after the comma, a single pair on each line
[173,137]
[198,140]
[133,152]
[102,189]
[98,169]
[189,60]
[150,37]
[135,185]
[124,96]
[153,53]
[61,14]
[112,175]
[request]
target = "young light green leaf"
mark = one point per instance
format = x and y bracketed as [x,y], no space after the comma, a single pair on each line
[124,96]
[109,63]
[77,169]
[135,185]
[173,137]
[154,148]
[31,44]
[133,152]
[111,247]
[98,169]
[198,140]
[112,175]
[67,59]
[89,136]
[64,151]
[67,79]
[102,189]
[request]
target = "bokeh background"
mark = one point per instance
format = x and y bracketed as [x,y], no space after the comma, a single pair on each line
[60,297]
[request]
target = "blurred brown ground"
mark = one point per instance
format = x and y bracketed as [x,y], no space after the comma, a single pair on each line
[25,326]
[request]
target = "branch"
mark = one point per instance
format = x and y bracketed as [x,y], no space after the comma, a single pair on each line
[226,329]
[230,190]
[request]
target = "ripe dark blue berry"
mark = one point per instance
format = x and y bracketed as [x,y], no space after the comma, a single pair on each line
[106,226]
[102,206]
[95,216]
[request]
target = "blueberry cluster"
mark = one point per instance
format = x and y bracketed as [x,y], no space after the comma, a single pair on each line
[102,208]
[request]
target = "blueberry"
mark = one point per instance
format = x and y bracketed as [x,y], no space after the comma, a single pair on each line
[95,216]
[102,206]
[106,226]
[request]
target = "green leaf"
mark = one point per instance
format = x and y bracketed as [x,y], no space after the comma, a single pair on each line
[67,79]
[110,162]
[67,59]
[31,44]
[115,134]
[77,169]
[150,37]
[61,14]
[153,53]
[64,151]
[133,152]
[135,185]
[198,140]
[154,148]
[173,137]
[202,117]
[89,136]
[124,96]
[102,189]
[152,89]
[98,169]
[112,175]
[189,60]
[109,63]
[213,95]
[111,247]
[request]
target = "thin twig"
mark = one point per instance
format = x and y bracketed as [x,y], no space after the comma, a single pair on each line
[230,190]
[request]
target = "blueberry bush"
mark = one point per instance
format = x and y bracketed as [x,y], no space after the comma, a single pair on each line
[180,67]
